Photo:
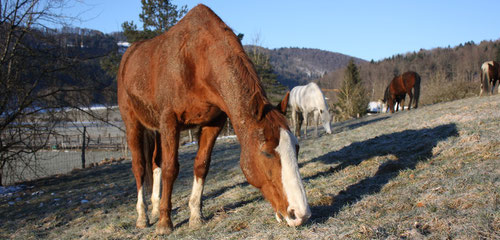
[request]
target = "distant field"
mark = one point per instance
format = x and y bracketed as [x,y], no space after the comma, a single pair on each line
[430,173]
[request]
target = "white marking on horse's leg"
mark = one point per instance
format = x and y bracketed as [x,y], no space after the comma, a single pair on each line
[195,219]
[155,195]
[291,180]
[142,218]
[278,217]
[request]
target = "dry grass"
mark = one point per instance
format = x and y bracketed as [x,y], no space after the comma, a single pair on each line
[430,173]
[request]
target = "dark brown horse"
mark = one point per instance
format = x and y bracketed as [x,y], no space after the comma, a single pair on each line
[397,100]
[197,73]
[399,87]
[490,75]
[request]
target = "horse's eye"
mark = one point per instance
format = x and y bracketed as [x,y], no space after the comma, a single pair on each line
[321,111]
[268,155]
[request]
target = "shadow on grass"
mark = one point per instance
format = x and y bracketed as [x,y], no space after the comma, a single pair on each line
[356,123]
[409,146]
[343,126]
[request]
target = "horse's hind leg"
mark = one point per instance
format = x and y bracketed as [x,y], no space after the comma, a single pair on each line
[208,135]
[493,83]
[304,115]
[410,94]
[295,120]
[316,119]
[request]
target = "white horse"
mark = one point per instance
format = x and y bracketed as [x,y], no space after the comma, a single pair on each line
[307,99]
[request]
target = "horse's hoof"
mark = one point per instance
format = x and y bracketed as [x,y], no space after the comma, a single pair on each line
[164,228]
[155,215]
[141,223]
[195,223]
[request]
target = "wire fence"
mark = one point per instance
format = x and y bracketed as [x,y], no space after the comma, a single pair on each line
[51,162]
[70,147]
[77,146]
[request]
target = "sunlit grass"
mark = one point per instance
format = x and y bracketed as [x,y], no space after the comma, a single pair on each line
[427,173]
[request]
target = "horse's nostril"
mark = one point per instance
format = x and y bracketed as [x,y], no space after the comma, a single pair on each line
[291,214]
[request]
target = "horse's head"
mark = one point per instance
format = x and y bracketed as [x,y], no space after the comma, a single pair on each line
[325,120]
[387,95]
[269,162]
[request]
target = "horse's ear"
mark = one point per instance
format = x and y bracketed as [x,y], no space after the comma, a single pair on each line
[284,103]
[257,106]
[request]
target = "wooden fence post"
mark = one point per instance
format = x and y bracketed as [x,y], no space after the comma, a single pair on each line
[83,147]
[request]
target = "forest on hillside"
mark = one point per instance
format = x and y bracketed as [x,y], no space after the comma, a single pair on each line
[447,73]
[299,66]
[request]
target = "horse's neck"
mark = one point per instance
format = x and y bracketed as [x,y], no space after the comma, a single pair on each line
[237,105]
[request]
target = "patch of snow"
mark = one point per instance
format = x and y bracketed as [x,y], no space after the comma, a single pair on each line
[190,143]
[37,193]
[227,137]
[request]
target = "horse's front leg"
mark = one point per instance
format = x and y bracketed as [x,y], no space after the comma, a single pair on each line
[169,131]
[390,104]
[208,135]
[134,137]
[155,195]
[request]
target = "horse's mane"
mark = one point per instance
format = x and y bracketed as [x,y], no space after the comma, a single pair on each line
[241,64]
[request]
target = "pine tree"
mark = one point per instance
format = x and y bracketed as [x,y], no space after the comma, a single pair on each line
[157,17]
[274,89]
[352,98]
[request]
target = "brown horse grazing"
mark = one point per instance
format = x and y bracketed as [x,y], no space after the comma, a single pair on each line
[197,73]
[399,87]
[490,75]
[398,99]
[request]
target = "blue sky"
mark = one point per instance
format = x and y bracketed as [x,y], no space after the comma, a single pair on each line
[360,28]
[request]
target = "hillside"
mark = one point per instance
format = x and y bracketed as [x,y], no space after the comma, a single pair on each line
[299,66]
[447,74]
[426,173]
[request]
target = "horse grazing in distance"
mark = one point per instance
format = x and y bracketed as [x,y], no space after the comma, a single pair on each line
[197,74]
[309,99]
[399,87]
[397,99]
[490,75]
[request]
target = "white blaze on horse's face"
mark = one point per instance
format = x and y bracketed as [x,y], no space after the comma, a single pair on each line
[298,208]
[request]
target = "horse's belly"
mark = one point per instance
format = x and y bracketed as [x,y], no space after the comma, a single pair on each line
[199,115]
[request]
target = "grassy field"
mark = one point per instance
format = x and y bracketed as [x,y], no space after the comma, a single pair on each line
[430,173]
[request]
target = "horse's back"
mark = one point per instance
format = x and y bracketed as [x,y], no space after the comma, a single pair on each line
[156,76]
[307,97]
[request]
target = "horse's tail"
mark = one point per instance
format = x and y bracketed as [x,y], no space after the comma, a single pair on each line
[485,78]
[149,145]
[416,90]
